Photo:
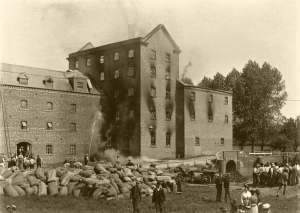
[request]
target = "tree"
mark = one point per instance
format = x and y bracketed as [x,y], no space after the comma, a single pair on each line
[218,82]
[187,81]
[259,95]
[289,129]
[206,83]
[231,79]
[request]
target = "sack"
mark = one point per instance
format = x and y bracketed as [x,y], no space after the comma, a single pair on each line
[42,189]
[128,172]
[29,190]
[20,191]
[10,191]
[86,173]
[35,189]
[6,173]
[40,174]
[86,167]
[63,191]
[51,175]
[113,184]
[33,181]
[76,192]
[100,169]
[18,179]
[164,178]
[111,192]
[75,178]
[65,179]
[99,193]
[52,188]
[127,179]
[71,187]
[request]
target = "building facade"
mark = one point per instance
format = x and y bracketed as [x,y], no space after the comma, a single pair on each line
[46,112]
[145,108]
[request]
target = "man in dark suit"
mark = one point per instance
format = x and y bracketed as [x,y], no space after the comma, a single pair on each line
[136,197]
[158,198]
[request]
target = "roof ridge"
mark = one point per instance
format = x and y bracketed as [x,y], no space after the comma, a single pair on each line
[32,67]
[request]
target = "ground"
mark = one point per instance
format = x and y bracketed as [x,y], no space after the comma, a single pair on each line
[191,201]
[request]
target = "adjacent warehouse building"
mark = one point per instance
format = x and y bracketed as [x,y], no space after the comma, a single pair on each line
[46,112]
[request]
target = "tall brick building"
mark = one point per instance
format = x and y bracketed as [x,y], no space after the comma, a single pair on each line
[147,111]
[46,112]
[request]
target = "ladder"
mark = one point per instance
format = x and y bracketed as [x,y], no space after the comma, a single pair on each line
[6,129]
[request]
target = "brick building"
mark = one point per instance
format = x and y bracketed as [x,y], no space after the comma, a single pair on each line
[46,112]
[147,111]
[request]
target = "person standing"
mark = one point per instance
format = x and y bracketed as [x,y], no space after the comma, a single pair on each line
[158,198]
[245,198]
[253,202]
[218,182]
[38,162]
[136,197]
[283,180]
[226,183]
[20,162]
[178,183]
[86,159]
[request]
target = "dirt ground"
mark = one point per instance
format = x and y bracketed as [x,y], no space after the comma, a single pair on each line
[191,201]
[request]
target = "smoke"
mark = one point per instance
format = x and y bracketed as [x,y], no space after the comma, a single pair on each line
[95,141]
[185,69]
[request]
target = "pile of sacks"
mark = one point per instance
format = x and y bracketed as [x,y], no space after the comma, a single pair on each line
[99,181]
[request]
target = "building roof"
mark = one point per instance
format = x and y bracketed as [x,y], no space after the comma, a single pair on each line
[187,86]
[144,39]
[11,73]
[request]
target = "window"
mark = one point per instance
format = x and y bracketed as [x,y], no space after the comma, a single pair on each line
[222,141]
[210,118]
[153,113]
[153,138]
[76,64]
[131,54]
[168,115]
[48,82]
[49,126]
[101,76]
[210,98]
[226,119]
[153,55]
[153,71]
[168,57]
[79,84]
[116,74]
[24,125]
[168,139]
[168,94]
[73,127]
[131,92]
[24,104]
[116,56]
[197,141]
[101,59]
[88,62]
[73,149]
[116,93]
[49,149]
[193,116]
[192,96]
[23,79]
[117,116]
[73,108]
[153,92]
[226,101]
[49,106]
[130,72]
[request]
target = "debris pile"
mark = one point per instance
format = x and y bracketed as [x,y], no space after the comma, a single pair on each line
[103,180]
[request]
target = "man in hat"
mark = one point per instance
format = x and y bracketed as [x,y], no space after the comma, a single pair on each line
[218,182]
[158,198]
[136,197]
[226,183]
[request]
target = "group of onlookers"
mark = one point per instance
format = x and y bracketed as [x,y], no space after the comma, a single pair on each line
[23,162]
[274,174]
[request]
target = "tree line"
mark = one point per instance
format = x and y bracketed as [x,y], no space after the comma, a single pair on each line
[258,96]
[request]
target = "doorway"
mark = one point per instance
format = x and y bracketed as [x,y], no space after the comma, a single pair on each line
[24,148]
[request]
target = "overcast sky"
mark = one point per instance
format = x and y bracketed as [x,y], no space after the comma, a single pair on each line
[215,35]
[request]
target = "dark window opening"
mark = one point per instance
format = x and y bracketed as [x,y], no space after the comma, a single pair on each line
[76,64]
[153,92]
[153,55]
[131,53]
[153,71]
[153,138]
[73,127]
[193,96]
[73,149]
[226,101]
[168,139]
[130,72]
[117,117]
[210,99]
[88,62]
[168,115]
[101,59]
[24,104]
[168,57]
[222,141]
[226,119]
[153,113]
[197,141]
[116,56]
[49,149]
[49,126]
[49,106]
[79,84]
[24,125]
[73,108]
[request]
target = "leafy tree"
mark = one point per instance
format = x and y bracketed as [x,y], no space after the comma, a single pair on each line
[289,129]
[206,83]
[259,95]
[281,142]
[231,79]
[218,82]
[187,80]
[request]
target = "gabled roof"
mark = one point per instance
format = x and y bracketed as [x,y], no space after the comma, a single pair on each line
[163,28]
[87,46]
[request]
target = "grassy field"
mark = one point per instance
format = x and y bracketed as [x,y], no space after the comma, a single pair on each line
[189,201]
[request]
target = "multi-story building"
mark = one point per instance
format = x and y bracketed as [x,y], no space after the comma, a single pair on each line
[46,112]
[146,109]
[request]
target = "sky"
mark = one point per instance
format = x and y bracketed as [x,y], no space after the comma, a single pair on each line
[215,35]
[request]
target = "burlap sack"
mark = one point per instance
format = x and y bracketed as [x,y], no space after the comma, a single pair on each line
[65,179]
[18,179]
[51,175]
[19,190]
[63,191]
[10,191]
[86,173]
[71,186]
[42,189]
[52,188]
[32,180]
[6,173]
[40,174]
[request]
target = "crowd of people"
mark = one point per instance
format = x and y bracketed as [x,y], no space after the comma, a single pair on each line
[275,174]
[26,161]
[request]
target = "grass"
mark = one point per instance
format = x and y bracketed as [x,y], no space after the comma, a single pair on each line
[190,201]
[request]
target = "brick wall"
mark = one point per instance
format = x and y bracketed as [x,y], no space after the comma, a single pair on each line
[161,45]
[61,116]
[209,133]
